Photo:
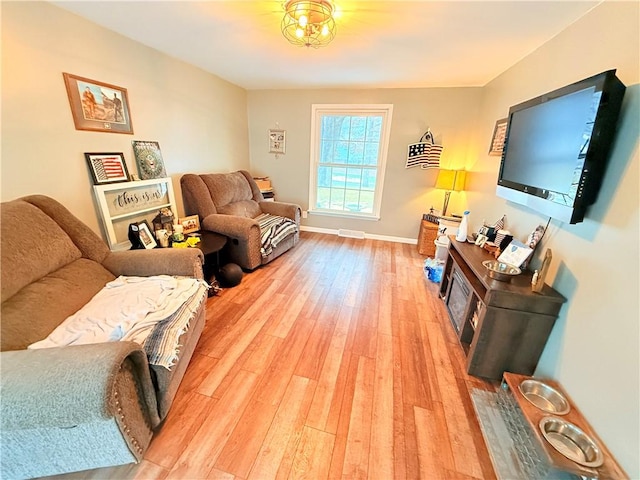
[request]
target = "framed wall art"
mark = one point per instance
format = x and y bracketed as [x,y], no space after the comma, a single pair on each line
[148,159]
[277,141]
[107,167]
[98,106]
[499,134]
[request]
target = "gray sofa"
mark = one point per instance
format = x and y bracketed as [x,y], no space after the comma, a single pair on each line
[76,407]
[228,203]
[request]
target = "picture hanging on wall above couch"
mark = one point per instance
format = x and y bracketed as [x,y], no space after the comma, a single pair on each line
[98,106]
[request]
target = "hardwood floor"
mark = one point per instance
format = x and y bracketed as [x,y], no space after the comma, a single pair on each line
[337,360]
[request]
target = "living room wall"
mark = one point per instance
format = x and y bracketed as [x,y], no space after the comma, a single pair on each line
[450,113]
[593,349]
[199,120]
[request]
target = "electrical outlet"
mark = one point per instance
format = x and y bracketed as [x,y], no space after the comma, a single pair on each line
[304,214]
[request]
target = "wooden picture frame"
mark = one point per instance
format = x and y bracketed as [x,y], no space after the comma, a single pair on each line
[497,140]
[146,237]
[98,106]
[277,141]
[107,167]
[190,224]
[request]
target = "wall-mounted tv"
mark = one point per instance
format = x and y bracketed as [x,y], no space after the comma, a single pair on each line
[557,146]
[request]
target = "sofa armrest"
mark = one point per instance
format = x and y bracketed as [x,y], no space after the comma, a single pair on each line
[288,210]
[159,261]
[231,226]
[67,386]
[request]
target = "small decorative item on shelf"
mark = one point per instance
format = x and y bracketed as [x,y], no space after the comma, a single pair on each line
[164,220]
[178,233]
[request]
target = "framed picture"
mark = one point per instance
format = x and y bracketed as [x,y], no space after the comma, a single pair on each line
[148,159]
[146,237]
[190,224]
[98,106]
[277,141]
[497,141]
[121,205]
[107,167]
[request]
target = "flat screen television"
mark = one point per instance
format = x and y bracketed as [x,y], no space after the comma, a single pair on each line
[557,146]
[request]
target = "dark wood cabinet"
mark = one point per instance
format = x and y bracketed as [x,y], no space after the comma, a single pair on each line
[502,326]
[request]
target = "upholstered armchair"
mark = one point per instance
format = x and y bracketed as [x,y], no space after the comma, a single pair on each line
[231,204]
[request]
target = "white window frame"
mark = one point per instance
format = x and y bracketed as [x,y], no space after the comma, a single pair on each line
[317,110]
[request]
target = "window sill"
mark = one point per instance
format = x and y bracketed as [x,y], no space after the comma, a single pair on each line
[362,216]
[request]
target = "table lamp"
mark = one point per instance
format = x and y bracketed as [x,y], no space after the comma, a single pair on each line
[450,180]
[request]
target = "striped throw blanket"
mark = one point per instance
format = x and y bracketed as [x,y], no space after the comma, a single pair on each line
[273,229]
[151,311]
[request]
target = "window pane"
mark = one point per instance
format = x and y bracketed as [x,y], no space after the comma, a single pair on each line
[370,153]
[354,176]
[323,198]
[374,128]
[337,198]
[341,155]
[366,202]
[344,129]
[324,176]
[352,201]
[369,179]
[326,151]
[358,128]
[338,177]
[356,153]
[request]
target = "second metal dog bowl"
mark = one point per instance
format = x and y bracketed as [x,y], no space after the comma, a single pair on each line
[544,397]
[571,442]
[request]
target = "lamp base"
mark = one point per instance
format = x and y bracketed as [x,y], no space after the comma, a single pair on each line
[447,194]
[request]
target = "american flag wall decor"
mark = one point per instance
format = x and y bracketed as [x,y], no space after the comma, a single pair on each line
[424,153]
[107,167]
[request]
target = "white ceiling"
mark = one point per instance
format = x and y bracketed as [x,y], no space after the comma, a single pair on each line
[390,44]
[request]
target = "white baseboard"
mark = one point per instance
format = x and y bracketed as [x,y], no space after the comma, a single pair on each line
[372,236]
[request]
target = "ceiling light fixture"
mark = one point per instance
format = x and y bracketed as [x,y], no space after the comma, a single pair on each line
[309,23]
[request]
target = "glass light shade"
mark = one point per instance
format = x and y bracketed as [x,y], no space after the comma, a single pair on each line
[309,23]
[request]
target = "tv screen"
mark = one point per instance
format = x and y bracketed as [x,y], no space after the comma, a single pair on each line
[556,147]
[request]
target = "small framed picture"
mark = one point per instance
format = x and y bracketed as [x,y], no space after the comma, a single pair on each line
[146,237]
[98,106]
[107,167]
[499,134]
[190,224]
[277,141]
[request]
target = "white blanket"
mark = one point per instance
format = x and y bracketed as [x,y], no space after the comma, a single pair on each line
[125,309]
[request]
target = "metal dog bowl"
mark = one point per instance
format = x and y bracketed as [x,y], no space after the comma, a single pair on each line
[571,442]
[544,397]
[500,270]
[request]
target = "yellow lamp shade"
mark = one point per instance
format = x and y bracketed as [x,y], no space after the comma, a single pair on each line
[452,180]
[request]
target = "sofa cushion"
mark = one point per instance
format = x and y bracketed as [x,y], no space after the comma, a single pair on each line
[33,246]
[37,309]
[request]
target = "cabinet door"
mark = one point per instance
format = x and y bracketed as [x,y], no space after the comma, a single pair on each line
[508,340]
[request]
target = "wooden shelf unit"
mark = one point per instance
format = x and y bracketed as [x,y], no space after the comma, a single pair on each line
[502,326]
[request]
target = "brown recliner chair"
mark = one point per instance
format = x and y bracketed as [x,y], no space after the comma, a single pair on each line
[229,203]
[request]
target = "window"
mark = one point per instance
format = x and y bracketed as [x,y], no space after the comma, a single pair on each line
[349,146]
